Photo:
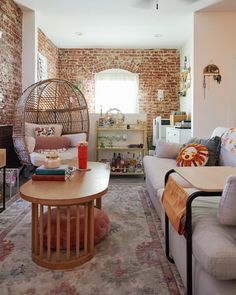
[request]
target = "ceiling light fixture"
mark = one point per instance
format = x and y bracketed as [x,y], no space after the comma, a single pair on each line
[78,34]
[158,35]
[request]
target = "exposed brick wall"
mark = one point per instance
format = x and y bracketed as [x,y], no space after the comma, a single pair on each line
[10,58]
[158,69]
[50,51]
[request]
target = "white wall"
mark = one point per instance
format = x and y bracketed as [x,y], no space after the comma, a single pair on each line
[29,48]
[186,102]
[214,42]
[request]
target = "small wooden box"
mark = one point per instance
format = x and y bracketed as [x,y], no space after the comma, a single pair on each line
[2,158]
[177,118]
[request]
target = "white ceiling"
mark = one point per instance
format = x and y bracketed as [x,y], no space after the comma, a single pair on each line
[116,23]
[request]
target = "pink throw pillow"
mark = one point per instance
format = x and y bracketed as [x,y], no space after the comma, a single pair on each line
[101,226]
[51,143]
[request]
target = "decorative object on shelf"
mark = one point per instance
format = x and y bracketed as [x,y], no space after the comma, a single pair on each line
[114,117]
[110,141]
[101,141]
[176,116]
[124,136]
[211,70]
[52,160]
[101,119]
[185,78]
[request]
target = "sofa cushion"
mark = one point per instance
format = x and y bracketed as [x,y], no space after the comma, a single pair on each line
[213,145]
[192,154]
[213,243]
[219,131]
[227,206]
[168,150]
[156,169]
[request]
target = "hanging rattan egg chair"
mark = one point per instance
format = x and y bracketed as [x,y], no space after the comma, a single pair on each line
[51,101]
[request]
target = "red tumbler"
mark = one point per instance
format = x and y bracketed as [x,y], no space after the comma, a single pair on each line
[83,155]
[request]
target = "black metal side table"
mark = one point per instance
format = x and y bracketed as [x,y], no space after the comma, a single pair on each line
[3,182]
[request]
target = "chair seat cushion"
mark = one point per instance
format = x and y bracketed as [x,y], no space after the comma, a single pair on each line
[101,226]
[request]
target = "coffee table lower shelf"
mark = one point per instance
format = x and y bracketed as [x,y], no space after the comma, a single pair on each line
[61,257]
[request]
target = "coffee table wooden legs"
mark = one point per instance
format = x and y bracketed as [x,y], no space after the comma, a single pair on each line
[61,257]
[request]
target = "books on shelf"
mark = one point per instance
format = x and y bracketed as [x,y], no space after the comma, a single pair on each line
[61,170]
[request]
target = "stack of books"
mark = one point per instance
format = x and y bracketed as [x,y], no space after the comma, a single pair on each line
[56,174]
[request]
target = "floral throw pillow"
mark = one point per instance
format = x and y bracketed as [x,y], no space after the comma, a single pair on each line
[192,154]
[44,131]
[228,140]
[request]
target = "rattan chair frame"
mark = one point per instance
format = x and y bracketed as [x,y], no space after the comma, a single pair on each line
[52,101]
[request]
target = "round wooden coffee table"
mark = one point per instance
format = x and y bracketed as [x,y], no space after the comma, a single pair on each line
[82,189]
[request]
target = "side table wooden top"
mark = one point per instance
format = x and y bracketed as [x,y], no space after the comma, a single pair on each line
[207,178]
[2,158]
[81,187]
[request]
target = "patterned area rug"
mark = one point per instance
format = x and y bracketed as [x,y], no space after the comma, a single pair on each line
[130,261]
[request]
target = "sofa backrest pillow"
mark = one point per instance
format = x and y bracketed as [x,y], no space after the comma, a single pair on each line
[213,145]
[168,150]
[228,148]
[30,128]
[192,154]
[51,143]
[227,206]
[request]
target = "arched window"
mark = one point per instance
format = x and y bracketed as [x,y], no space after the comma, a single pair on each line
[116,88]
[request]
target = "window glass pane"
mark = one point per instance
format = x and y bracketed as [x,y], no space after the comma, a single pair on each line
[116,89]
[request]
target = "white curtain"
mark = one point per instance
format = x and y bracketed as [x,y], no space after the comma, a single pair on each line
[116,89]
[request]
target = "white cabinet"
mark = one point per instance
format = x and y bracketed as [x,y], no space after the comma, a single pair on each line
[177,135]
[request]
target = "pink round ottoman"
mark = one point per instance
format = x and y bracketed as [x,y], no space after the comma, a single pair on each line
[101,227]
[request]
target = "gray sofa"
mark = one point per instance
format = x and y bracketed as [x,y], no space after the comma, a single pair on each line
[214,245]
